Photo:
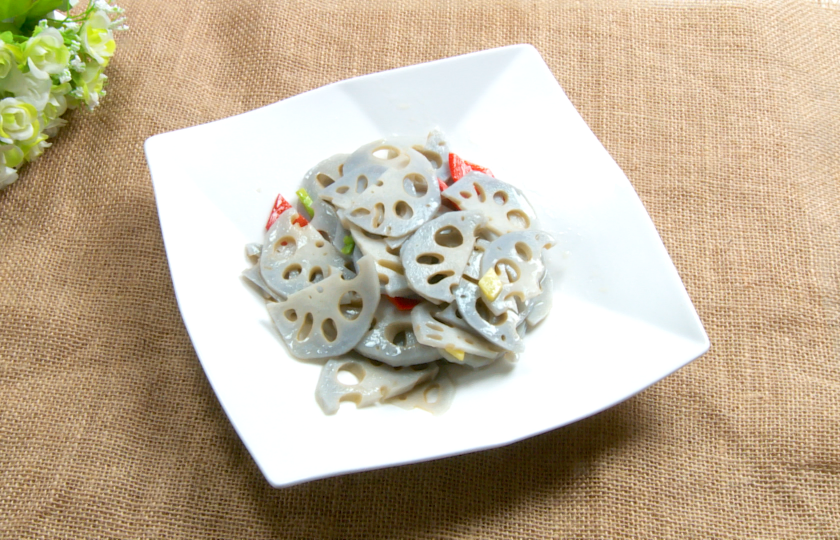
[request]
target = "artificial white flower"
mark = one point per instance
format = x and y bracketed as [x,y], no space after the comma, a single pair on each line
[46,69]
[10,155]
[18,121]
[32,87]
[34,148]
[90,83]
[46,52]
[97,38]
[8,176]
[10,56]
[52,128]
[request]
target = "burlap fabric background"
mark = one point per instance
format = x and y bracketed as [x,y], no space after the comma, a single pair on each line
[726,118]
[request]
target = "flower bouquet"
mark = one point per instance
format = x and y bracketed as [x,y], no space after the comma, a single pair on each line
[51,60]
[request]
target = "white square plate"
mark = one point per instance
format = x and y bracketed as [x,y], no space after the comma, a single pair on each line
[621,320]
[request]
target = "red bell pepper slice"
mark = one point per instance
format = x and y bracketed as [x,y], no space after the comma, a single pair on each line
[442,185]
[479,168]
[459,167]
[403,304]
[280,206]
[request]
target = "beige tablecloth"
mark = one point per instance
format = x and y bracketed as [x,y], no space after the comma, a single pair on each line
[724,115]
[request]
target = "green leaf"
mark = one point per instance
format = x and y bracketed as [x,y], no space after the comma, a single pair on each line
[42,7]
[10,9]
[30,9]
[7,37]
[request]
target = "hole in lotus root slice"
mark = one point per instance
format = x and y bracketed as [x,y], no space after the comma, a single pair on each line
[361,183]
[508,269]
[506,207]
[449,238]
[415,185]
[505,254]
[378,382]
[518,219]
[385,153]
[311,336]
[378,215]
[285,247]
[292,271]
[434,396]
[328,330]
[434,279]
[391,339]
[292,255]
[306,328]
[403,210]
[350,373]
[387,187]
[434,157]
[429,258]
[435,333]
[316,275]
[497,329]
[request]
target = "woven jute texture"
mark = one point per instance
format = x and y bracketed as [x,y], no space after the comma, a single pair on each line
[725,117]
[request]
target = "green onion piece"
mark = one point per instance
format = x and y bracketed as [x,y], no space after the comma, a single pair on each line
[349,245]
[306,200]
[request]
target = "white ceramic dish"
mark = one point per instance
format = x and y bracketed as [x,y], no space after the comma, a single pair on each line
[621,320]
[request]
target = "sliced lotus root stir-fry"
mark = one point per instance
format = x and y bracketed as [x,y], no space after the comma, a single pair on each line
[388,262]
[435,148]
[451,339]
[330,317]
[470,360]
[369,383]
[434,396]
[324,174]
[254,276]
[460,283]
[386,190]
[391,339]
[519,256]
[294,257]
[435,256]
[537,308]
[504,206]
[497,329]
